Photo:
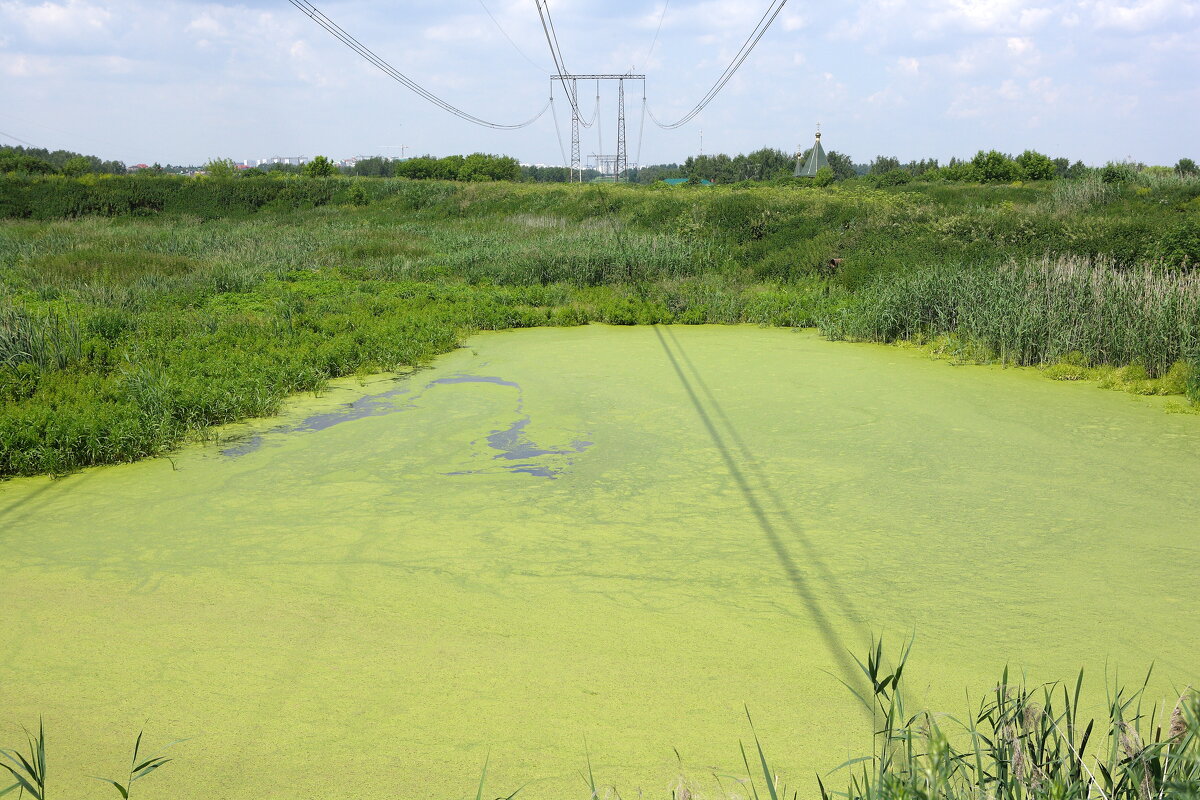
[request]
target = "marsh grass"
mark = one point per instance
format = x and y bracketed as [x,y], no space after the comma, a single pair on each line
[28,769]
[1078,196]
[44,341]
[1026,742]
[140,767]
[1084,312]
[183,305]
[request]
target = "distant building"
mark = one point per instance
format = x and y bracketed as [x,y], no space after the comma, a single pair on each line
[136,167]
[815,162]
[683,181]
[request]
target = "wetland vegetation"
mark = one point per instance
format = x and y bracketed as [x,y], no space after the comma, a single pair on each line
[139,311]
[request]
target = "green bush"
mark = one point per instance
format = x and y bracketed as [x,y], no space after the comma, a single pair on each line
[26,165]
[1114,173]
[995,167]
[1035,166]
[319,167]
[1181,244]
[893,177]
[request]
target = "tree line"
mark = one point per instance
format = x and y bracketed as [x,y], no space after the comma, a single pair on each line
[40,161]
[763,165]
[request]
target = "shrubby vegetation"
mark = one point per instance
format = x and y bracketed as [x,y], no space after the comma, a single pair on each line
[475,167]
[173,304]
[38,160]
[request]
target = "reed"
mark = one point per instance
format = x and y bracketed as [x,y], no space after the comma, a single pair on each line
[175,305]
[1025,742]
[28,769]
[1038,312]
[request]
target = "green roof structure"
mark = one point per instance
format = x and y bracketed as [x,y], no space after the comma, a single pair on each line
[816,160]
[683,181]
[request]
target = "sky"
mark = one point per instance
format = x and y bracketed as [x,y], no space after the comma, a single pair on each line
[176,81]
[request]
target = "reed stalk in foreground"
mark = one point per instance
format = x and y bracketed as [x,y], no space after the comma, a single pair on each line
[1025,742]
[29,771]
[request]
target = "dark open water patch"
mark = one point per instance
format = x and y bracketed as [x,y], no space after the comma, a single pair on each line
[513,442]
[376,405]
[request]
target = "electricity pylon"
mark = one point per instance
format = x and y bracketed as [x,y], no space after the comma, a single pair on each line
[622,156]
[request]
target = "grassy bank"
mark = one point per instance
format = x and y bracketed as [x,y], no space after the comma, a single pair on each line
[137,312]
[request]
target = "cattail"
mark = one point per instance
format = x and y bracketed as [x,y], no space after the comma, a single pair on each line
[1131,743]
[1033,715]
[1018,758]
[1179,723]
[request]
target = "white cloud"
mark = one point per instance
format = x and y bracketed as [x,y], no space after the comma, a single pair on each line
[1139,15]
[23,66]
[206,26]
[875,71]
[57,23]
[1019,45]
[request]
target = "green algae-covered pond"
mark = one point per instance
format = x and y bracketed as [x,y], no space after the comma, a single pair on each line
[618,534]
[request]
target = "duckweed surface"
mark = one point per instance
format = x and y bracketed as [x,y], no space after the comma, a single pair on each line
[618,534]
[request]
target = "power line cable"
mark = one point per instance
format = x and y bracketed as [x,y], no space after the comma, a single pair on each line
[557,133]
[743,53]
[595,111]
[641,129]
[555,53]
[6,117]
[553,32]
[15,139]
[658,30]
[516,46]
[599,129]
[311,11]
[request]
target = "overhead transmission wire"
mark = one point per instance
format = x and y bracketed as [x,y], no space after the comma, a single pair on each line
[747,47]
[657,30]
[15,139]
[599,128]
[556,53]
[595,111]
[557,133]
[516,46]
[641,129]
[311,11]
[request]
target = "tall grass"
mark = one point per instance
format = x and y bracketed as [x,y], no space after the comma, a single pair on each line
[27,769]
[123,335]
[1038,311]
[1077,196]
[38,341]
[1025,741]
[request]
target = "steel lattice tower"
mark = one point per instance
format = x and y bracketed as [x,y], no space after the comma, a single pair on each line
[576,165]
[571,85]
[622,154]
